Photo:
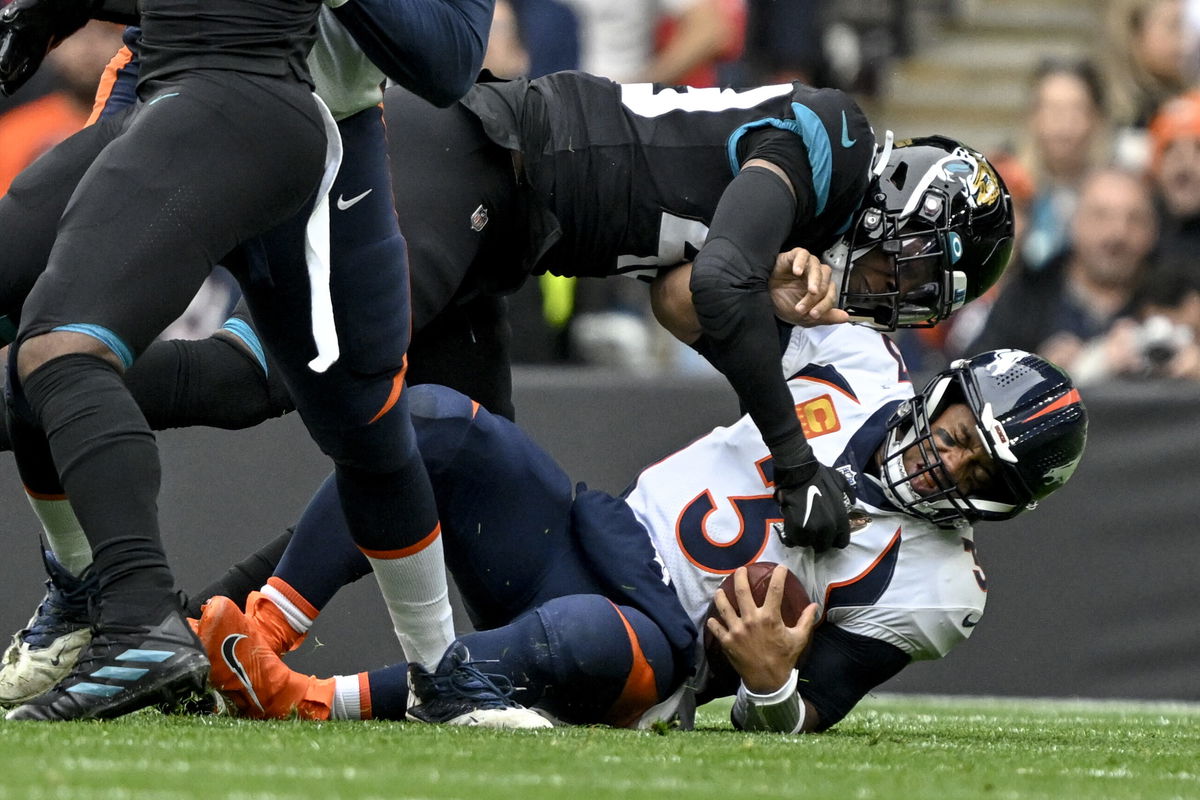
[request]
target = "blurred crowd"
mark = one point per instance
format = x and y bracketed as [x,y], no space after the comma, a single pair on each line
[1104,171]
[1105,178]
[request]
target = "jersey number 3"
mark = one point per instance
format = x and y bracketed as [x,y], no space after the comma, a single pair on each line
[756,515]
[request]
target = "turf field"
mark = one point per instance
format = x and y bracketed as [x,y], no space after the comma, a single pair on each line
[890,747]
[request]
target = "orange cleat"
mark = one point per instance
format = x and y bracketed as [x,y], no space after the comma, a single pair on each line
[272,626]
[251,674]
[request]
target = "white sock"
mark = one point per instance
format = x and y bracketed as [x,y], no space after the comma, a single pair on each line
[418,601]
[347,697]
[64,534]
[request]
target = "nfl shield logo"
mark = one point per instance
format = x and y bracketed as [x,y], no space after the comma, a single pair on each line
[479,219]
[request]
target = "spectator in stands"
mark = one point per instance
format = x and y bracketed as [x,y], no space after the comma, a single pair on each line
[1065,137]
[506,55]
[785,41]
[1161,339]
[618,38]
[1175,169]
[1147,62]
[32,128]
[549,33]
[1085,290]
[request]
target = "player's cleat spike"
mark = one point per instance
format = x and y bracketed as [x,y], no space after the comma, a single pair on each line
[251,675]
[123,669]
[458,693]
[43,652]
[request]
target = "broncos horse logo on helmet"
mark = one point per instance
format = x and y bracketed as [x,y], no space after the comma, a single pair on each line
[1029,418]
[935,231]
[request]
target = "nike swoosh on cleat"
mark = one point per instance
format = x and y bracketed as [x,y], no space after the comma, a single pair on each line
[967,622]
[813,494]
[847,142]
[235,665]
[343,203]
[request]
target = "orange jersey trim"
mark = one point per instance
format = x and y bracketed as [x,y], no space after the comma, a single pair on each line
[640,691]
[404,552]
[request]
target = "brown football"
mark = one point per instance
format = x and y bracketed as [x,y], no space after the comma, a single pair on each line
[795,600]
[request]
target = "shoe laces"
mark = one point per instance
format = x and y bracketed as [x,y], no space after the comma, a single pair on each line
[65,607]
[465,680]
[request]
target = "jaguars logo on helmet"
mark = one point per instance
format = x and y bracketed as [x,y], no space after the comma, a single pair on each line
[935,231]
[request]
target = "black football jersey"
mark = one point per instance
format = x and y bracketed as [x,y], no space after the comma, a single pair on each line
[266,37]
[633,172]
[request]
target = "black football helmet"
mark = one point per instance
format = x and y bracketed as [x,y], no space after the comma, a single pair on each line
[1028,415]
[934,231]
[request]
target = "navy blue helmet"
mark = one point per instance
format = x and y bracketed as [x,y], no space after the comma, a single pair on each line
[1029,417]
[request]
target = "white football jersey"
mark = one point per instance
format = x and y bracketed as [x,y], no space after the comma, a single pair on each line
[709,507]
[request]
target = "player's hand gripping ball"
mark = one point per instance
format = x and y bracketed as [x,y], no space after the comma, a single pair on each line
[795,599]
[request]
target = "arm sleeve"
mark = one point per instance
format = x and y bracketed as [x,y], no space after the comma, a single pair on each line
[433,48]
[841,667]
[785,150]
[729,290]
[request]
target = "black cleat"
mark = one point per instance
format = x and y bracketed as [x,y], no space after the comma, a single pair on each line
[126,668]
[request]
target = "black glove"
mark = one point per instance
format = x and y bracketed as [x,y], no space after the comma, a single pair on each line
[29,29]
[815,500]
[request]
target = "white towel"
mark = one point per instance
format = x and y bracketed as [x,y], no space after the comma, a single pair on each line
[316,251]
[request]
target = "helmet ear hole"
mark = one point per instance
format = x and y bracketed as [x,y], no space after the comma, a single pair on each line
[899,176]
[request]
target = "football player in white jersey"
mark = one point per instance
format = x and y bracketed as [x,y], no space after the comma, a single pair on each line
[592,607]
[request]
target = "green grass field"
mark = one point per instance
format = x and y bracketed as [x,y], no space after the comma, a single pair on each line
[890,747]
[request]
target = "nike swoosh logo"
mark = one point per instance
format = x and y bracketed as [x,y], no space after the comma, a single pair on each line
[813,494]
[847,142]
[343,203]
[235,665]
[968,622]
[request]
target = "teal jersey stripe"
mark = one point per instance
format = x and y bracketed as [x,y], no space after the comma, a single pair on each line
[807,125]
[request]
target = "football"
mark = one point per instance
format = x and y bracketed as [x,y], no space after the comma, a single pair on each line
[795,600]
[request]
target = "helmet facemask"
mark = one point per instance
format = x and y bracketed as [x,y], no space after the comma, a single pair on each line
[928,489]
[900,273]
[934,231]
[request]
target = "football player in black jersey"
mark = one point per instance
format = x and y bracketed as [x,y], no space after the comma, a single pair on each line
[226,143]
[576,175]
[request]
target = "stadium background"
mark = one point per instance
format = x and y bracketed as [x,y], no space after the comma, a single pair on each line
[1092,595]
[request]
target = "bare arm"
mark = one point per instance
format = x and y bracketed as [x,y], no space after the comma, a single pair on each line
[701,35]
[801,289]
